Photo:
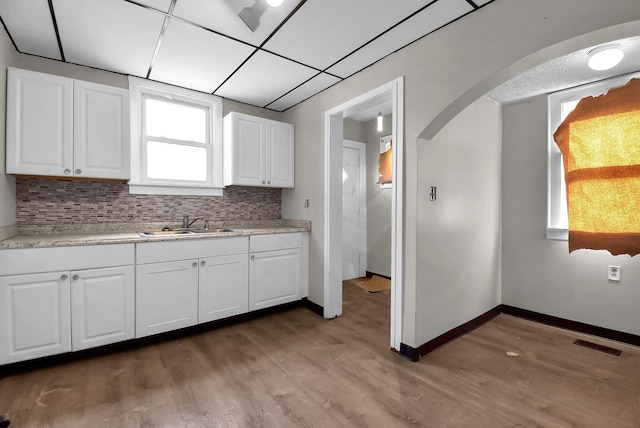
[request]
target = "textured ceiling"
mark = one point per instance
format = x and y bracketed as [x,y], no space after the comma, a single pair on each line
[298,50]
[566,72]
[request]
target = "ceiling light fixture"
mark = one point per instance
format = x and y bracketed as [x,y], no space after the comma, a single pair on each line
[605,57]
[380,127]
[251,15]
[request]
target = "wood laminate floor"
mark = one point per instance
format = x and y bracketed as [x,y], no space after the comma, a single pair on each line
[297,369]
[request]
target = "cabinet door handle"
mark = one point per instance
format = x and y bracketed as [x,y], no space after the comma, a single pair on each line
[64,277]
[67,171]
[269,182]
[75,277]
[202,263]
[253,257]
[78,171]
[263,182]
[195,264]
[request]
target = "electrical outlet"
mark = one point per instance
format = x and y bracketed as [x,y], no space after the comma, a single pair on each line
[614,273]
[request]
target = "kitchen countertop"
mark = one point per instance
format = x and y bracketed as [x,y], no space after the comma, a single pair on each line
[100,234]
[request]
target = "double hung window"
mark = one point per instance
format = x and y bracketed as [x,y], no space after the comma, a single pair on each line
[560,104]
[176,140]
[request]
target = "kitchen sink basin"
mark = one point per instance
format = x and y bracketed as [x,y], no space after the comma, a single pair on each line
[165,232]
[211,230]
[172,232]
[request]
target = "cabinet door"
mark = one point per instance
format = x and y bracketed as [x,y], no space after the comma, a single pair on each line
[247,144]
[274,278]
[35,318]
[224,287]
[166,296]
[39,123]
[102,306]
[101,131]
[280,154]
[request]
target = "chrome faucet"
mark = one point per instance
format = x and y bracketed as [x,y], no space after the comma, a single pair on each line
[186,224]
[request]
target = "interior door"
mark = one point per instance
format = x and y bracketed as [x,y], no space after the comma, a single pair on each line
[353,210]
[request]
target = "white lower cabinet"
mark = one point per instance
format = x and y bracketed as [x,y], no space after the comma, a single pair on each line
[277,269]
[223,286]
[186,282]
[102,306]
[55,300]
[166,296]
[36,319]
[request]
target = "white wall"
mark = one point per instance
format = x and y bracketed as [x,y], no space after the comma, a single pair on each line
[439,70]
[459,233]
[7,182]
[540,274]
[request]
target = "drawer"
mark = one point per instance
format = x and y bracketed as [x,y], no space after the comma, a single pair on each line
[35,260]
[153,252]
[280,241]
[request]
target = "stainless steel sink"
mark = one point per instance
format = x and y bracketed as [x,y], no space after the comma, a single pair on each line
[211,230]
[171,232]
[165,232]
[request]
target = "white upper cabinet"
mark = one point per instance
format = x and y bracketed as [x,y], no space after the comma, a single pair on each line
[101,131]
[258,151]
[63,127]
[39,123]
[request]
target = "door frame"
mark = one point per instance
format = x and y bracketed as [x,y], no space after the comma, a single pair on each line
[362,221]
[333,205]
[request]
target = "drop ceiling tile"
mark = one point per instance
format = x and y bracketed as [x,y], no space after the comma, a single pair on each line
[109,34]
[324,31]
[162,5]
[430,19]
[481,2]
[264,78]
[319,83]
[195,58]
[31,27]
[222,16]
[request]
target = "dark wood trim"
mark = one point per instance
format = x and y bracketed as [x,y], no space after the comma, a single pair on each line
[370,274]
[414,354]
[313,307]
[566,324]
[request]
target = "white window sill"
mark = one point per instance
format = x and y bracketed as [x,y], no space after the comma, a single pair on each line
[152,189]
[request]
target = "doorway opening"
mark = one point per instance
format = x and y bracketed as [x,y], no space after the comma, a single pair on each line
[333,215]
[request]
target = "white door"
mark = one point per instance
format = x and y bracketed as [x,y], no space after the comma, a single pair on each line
[353,210]
[166,296]
[35,318]
[101,131]
[274,278]
[224,287]
[280,154]
[102,306]
[250,148]
[39,123]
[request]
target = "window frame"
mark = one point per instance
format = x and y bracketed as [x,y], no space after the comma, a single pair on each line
[141,90]
[557,216]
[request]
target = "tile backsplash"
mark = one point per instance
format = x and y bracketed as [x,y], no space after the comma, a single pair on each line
[51,201]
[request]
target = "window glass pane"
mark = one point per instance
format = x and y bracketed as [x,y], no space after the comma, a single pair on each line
[176,121]
[176,162]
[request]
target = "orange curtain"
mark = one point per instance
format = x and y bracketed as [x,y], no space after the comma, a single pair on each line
[385,167]
[600,145]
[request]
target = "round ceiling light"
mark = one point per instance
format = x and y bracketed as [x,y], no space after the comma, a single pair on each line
[274,3]
[605,57]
